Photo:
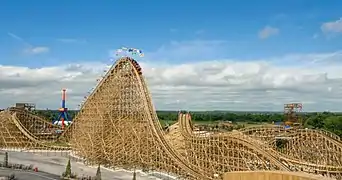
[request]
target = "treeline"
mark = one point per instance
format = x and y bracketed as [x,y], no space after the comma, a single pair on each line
[326,120]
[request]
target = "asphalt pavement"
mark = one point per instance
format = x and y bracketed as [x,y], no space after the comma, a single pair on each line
[54,163]
[28,175]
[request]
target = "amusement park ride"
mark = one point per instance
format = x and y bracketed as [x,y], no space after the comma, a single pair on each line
[291,114]
[136,141]
[63,117]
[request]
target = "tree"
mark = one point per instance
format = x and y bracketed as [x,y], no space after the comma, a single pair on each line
[98,173]
[134,175]
[67,172]
[334,124]
[316,121]
[312,119]
[6,159]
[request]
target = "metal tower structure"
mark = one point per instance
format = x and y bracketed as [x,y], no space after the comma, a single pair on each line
[291,113]
[63,117]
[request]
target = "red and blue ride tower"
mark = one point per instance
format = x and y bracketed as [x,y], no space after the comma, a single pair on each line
[63,117]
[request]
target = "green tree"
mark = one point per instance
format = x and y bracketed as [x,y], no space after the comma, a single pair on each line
[6,159]
[316,121]
[334,124]
[98,173]
[67,172]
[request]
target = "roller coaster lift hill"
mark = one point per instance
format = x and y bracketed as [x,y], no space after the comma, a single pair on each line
[131,138]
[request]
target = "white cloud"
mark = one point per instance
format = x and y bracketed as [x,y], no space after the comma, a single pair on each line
[264,84]
[332,26]
[43,85]
[37,50]
[206,84]
[267,32]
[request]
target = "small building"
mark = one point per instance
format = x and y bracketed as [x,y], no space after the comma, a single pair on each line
[26,106]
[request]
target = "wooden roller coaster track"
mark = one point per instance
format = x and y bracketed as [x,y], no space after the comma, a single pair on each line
[118,127]
[312,151]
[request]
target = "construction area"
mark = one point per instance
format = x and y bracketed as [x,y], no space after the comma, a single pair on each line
[117,127]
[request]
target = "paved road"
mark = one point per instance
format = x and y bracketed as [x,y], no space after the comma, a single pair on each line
[54,163]
[28,175]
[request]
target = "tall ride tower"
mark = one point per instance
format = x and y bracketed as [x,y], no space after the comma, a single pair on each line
[291,112]
[63,117]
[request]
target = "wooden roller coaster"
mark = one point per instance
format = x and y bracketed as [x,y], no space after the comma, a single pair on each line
[118,127]
[307,150]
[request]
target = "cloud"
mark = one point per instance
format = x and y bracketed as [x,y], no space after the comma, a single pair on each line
[267,32]
[332,26]
[214,84]
[30,49]
[71,40]
[37,50]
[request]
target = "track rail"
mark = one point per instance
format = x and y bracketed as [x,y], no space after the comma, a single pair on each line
[294,134]
[188,133]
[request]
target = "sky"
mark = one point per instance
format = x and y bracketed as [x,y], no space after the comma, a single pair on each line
[228,55]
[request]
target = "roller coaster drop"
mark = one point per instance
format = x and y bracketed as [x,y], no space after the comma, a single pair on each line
[118,127]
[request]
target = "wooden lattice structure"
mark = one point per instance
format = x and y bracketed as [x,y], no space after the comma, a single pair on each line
[309,150]
[22,130]
[220,153]
[118,127]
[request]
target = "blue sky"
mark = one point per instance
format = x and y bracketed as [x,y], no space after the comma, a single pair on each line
[101,26]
